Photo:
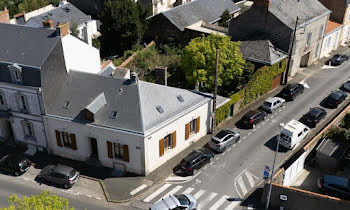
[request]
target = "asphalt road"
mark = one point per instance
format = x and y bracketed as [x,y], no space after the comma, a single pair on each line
[225,182]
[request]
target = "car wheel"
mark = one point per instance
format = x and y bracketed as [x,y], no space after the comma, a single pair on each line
[66,186]
[16,173]
[211,159]
[195,171]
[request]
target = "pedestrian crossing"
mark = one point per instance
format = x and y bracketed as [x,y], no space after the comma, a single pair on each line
[245,182]
[205,199]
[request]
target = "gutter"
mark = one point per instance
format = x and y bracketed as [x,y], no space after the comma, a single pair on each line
[264,62]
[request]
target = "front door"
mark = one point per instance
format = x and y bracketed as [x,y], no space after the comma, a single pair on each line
[304,60]
[94,151]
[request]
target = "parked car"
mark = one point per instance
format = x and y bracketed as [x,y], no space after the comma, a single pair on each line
[273,103]
[253,117]
[335,98]
[293,133]
[59,174]
[314,116]
[15,164]
[346,86]
[335,185]
[224,139]
[338,59]
[292,90]
[176,202]
[195,160]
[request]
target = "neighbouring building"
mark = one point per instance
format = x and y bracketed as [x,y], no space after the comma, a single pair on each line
[185,22]
[271,25]
[4,16]
[23,17]
[25,53]
[340,14]
[331,38]
[125,124]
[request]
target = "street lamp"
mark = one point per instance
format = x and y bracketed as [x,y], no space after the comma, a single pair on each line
[273,169]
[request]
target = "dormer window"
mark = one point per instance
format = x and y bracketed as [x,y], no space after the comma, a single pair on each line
[66,104]
[16,73]
[160,109]
[114,114]
[180,98]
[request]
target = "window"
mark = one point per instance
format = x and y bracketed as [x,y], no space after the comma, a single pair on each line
[193,125]
[16,73]
[2,100]
[66,104]
[180,98]
[348,17]
[28,129]
[23,103]
[67,141]
[321,31]
[309,36]
[329,42]
[118,150]
[114,114]
[160,109]
[299,134]
[168,142]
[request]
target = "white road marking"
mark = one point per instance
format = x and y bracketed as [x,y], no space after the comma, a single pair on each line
[156,193]
[199,194]
[211,163]
[205,167]
[284,107]
[188,190]
[262,123]
[207,199]
[232,205]
[276,113]
[89,196]
[138,189]
[177,178]
[280,110]
[249,133]
[98,198]
[218,203]
[223,153]
[229,149]
[217,158]
[25,178]
[171,192]
[250,206]
[250,178]
[186,179]
[267,120]
[254,130]
[242,186]
[244,137]
[271,117]
[259,126]
[234,145]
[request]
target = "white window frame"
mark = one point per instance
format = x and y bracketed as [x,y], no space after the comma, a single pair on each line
[16,73]
[193,126]
[168,142]
[328,42]
[348,17]
[28,129]
[309,39]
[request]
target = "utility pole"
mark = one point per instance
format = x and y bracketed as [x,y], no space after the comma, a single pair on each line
[285,80]
[215,89]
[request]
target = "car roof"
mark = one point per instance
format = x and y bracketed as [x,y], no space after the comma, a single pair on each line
[335,94]
[290,86]
[336,180]
[272,99]
[223,133]
[251,113]
[62,169]
[193,155]
[170,202]
[315,111]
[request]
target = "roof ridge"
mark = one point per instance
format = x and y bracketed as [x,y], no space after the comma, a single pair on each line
[140,106]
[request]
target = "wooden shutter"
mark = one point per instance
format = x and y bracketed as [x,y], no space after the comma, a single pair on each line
[198,124]
[126,153]
[187,131]
[161,147]
[174,139]
[109,149]
[74,141]
[58,138]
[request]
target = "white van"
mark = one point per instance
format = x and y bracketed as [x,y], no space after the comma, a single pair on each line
[293,133]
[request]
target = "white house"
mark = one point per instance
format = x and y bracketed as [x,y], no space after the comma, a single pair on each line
[126,124]
[331,38]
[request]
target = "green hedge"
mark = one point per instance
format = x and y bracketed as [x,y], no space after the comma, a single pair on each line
[258,85]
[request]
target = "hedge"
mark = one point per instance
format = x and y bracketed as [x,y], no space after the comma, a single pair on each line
[258,85]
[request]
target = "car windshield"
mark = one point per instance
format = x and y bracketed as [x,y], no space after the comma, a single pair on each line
[314,113]
[185,163]
[268,104]
[335,96]
[215,141]
[183,200]
[72,173]
[221,134]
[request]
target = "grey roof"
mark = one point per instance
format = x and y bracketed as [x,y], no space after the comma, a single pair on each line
[331,148]
[288,10]
[25,45]
[261,51]
[120,72]
[97,103]
[135,103]
[67,13]
[197,10]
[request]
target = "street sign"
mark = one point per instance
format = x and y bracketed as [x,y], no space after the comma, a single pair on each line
[266,172]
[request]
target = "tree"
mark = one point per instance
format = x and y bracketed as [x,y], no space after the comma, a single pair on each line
[198,61]
[42,201]
[225,17]
[17,6]
[123,25]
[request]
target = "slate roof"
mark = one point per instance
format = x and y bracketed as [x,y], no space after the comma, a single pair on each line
[67,13]
[135,103]
[288,10]
[262,51]
[331,148]
[197,10]
[25,45]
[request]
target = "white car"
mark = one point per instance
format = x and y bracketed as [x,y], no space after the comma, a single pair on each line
[174,202]
[273,103]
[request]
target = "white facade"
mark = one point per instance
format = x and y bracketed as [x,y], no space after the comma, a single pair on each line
[160,6]
[330,42]
[80,56]
[88,31]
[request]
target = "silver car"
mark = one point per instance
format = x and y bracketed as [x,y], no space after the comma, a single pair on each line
[273,103]
[182,201]
[224,139]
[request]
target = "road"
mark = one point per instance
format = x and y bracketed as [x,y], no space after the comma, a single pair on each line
[225,182]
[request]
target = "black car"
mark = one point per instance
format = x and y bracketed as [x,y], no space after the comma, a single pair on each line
[195,160]
[59,174]
[292,90]
[338,59]
[335,98]
[15,164]
[314,116]
[253,117]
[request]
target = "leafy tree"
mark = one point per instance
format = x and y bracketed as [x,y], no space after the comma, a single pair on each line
[225,17]
[123,26]
[18,6]
[198,61]
[346,121]
[44,201]
[75,31]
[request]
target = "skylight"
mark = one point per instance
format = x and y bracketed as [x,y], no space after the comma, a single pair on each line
[66,9]
[66,104]
[160,109]
[180,98]
[45,17]
[114,114]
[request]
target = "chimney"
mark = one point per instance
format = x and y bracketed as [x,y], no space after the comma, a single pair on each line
[133,77]
[48,24]
[62,3]
[161,75]
[62,29]
[262,3]
[4,16]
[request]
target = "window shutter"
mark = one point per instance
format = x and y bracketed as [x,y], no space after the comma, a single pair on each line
[174,139]
[198,124]
[126,153]
[74,141]
[58,138]
[109,149]
[161,147]
[187,131]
